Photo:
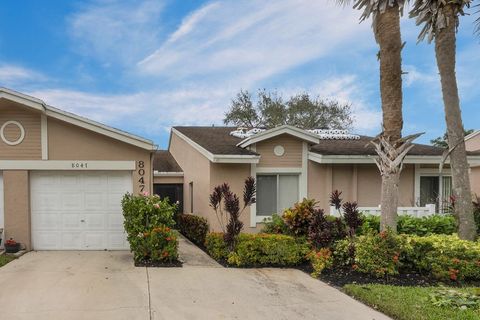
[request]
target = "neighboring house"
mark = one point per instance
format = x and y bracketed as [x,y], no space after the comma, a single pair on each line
[62,176]
[291,164]
[472,144]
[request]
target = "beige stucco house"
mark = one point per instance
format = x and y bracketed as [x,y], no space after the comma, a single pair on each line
[62,176]
[291,164]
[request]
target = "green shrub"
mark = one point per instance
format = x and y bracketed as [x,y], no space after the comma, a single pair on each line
[193,227]
[435,224]
[298,218]
[344,253]
[378,254]
[216,246]
[275,225]
[321,260]
[258,250]
[268,250]
[445,257]
[147,223]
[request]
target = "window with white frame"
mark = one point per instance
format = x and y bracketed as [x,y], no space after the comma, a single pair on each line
[435,189]
[276,192]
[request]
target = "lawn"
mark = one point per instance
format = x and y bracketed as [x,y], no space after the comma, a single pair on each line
[410,303]
[4,259]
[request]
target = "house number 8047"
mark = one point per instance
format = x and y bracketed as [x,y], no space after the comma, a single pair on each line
[141,173]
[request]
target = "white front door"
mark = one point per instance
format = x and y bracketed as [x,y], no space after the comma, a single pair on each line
[2,215]
[78,210]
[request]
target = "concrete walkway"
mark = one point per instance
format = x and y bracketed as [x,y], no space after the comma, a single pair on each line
[192,256]
[106,285]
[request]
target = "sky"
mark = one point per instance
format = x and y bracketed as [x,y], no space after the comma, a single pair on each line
[144,66]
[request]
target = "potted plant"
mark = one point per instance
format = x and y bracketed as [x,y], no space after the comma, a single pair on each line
[12,246]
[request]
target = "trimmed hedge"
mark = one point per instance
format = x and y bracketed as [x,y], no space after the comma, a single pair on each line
[258,250]
[193,227]
[444,257]
[435,224]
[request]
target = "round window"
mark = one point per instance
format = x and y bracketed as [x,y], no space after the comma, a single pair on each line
[12,133]
[279,151]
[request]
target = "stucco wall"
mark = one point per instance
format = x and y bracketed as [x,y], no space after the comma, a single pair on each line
[293,152]
[475,180]
[234,175]
[68,142]
[473,144]
[17,206]
[365,188]
[196,169]
[30,148]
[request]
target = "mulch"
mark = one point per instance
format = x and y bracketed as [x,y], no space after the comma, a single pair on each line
[158,264]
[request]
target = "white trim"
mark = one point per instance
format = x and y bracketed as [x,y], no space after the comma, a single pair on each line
[217,158]
[100,128]
[44,136]
[319,158]
[82,122]
[285,129]
[429,172]
[21,98]
[253,207]
[71,165]
[278,170]
[19,126]
[471,135]
[303,179]
[167,174]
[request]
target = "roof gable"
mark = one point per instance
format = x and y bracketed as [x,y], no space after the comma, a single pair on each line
[76,120]
[274,132]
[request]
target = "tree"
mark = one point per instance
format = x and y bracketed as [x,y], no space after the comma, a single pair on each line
[440,21]
[300,110]
[442,142]
[389,145]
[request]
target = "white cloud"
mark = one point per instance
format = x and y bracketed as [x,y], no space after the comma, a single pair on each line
[243,42]
[115,31]
[11,75]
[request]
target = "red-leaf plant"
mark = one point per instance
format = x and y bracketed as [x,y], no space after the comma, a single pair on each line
[336,201]
[227,208]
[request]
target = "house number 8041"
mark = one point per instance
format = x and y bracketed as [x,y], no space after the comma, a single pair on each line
[79,165]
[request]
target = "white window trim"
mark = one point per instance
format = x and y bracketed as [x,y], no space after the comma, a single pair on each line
[429,172]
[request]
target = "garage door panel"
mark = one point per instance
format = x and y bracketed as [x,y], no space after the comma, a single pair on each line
[78,210]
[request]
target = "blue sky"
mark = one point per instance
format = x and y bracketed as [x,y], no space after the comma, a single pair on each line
[146,65]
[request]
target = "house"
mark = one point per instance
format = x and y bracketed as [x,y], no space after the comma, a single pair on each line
[290,164]
[62,176]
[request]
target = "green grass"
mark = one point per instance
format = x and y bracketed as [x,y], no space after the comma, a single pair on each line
[408,303]
[4,259]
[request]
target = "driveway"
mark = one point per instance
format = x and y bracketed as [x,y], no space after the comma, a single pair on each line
[106,285]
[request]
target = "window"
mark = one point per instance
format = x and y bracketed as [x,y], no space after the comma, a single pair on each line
[432,191]
[190,192]
[276,192]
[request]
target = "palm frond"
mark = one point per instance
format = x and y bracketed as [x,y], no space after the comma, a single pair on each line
[477,21]
[430,14]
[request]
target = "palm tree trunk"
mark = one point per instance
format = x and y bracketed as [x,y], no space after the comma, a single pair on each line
[387,34]
[445,50]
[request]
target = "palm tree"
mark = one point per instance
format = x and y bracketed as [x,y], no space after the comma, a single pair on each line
[440,20]
[390,146]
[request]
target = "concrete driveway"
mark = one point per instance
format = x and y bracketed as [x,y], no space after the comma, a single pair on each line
[106,285]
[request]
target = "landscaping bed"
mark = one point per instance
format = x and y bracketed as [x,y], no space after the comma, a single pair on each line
[4,259]
[418,303]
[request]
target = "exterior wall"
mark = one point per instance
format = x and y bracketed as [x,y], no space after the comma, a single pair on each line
[360,183]
[17,206]
[30,148]
[234,175]
[196,169]
[473,144]
[292,157]
[167,180]
[68,142]
[475,180]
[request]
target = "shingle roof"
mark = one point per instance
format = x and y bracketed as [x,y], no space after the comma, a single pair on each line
[218,140]
[165,162]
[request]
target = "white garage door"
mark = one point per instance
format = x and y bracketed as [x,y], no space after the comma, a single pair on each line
[78,210]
